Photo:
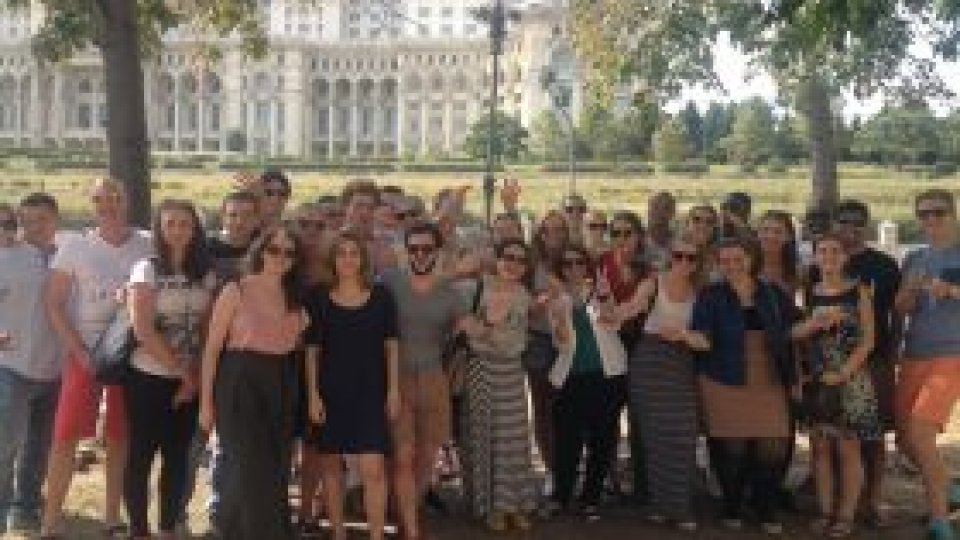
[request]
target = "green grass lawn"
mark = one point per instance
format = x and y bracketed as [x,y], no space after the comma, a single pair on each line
[889,194]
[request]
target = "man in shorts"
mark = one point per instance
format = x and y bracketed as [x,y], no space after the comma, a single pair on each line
[88,273]
[930,372]
[429,307]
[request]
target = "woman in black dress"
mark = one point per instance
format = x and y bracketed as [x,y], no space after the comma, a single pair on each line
[352,358]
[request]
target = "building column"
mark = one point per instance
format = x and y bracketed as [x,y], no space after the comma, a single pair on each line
[424,127]
[274,131]
[448,126]
[354,134]
[251,118]
[176,112]
[398,136]
[58,119]
[377,116]
[330,120]
[201,112]
[36,127]
[18,112]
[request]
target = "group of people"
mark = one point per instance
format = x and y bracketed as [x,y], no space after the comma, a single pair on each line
[368,336]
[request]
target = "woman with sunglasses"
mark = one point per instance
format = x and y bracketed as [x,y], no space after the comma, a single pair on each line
[663,385]
[248,386]
[353,380]
[741,329]
[550,239]
[701,228]
[586,408]
[497,463]
[621,271]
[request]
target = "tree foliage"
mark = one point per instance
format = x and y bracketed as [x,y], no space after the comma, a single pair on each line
[670,143]
[510,138]
[813,48]
[751,141]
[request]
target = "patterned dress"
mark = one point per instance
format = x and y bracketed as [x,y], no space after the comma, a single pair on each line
[495,424]
[853,412]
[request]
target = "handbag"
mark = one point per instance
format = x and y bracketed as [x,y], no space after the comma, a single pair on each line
[111,354]
[456,353]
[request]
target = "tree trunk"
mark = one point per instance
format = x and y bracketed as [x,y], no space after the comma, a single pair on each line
[823,155]
[127,122]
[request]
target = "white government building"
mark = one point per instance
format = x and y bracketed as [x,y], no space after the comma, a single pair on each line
[342,79]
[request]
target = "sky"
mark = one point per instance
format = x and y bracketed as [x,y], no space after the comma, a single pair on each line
[742,82]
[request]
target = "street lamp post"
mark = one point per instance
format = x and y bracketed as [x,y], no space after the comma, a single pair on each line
[496,18]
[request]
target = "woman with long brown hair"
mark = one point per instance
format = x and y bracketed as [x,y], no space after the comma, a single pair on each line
[353,379]
[248,386]
[779,254]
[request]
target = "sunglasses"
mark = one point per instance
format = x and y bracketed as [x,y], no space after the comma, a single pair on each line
[575,209]
[703,219]
[684,256]
[514,258]
[851,221]
[405,215]
[571,262]
[315,224]
[276,192]
[597,226]
[927,213]
[621,233]
[280,251]
[8,224]
[422,249]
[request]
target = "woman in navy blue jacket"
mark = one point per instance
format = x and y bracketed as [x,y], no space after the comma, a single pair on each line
[741,330]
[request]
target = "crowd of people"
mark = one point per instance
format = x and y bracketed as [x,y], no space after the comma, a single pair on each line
[371,338]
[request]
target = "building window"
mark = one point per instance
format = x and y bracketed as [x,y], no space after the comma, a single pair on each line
[323,121]
[446,12]
[171,117]
[424,11]
[423,30]
[343,121]
[389,121]
[103,115]
[281,117]
[446,30]
[192,117]
[84,86]
[366,121]
[261,118]
[215,117]
[83,116]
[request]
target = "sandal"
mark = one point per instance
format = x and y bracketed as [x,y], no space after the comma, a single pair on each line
[821,525]
[840,529]
[116,531]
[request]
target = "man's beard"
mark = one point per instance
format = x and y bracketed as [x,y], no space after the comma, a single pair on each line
[423,269]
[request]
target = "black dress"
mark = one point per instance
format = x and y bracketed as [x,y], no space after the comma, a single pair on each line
[353,371]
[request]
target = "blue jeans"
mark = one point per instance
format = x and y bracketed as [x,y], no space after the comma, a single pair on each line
[27,410]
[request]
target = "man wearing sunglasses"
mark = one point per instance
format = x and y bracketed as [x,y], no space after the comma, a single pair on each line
[276,195]
[575,209]
[930,372]
[850,221]
[429,309]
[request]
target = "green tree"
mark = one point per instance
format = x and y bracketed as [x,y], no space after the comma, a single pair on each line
[124,32]
[548,141]
[510,138]
[597,129]
[717,124]
[789,145]
[670,143]
[901,136]
[693,127]
[813,48]
[750,142]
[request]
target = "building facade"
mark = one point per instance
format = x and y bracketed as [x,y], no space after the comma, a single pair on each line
[342,79]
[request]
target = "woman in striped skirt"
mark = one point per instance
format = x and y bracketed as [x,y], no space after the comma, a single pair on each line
[663,386]
[498,466]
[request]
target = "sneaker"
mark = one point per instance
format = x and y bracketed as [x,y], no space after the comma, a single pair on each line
[591,513]
[687,526]
[773,528]
[309,529]
[520,521]
[21,521]
[656,519]
[732,524]
[497,522]
[940,529]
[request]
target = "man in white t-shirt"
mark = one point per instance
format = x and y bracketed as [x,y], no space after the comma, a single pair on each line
[87,273]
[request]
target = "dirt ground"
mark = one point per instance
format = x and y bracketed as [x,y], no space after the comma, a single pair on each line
[903,496]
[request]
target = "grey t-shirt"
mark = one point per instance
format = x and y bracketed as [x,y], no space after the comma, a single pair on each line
[33,351]
[426,319]
[933,329]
